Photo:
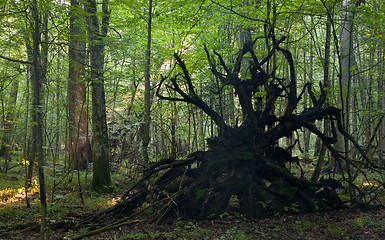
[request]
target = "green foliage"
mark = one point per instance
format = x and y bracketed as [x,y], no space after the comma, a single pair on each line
[366,222]
[303,226]
[293,208]
[191,230]
[331,230]
[335,231]
[235,233]
[265,204]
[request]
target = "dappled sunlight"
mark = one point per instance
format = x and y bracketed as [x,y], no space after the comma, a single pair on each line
[112,202]
[370,185]
[12,195]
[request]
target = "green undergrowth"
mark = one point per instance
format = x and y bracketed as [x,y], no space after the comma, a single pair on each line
[330,230]
[189,230]
[68,197]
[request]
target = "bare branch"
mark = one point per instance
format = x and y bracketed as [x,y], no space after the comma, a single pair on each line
[190,96]
[14,60]
[186,74]
[292,96]
[236,13]
[270,54]
[222,62]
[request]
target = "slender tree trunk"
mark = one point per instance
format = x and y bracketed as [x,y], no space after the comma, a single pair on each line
[345,80]
[174,146]
[101,180]
[327,86]
[8,119]
[361,100]
[28,167]
[27,138]
[3,121]
[57,128]
[134,88]
[380,103]
[306,131]
[346,61]
[37,114]
[147,89]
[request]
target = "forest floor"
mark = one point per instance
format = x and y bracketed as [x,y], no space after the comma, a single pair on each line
[66,207]
[332,225]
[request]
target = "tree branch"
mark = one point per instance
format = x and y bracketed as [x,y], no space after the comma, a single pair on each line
[292,95]
[236,13]
[15,60]
[190,96]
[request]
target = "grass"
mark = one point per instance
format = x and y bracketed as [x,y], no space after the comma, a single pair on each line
[336,232]
[301,226]
[366,222]
[235,233]
[192,230]
[12,186]
[63,199]
[188,230]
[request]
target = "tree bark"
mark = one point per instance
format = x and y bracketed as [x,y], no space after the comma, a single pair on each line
[147,89]
[345,62]
[37,115]
[380,103]
[101,180]
[27,141]
[326,81]
[79,145]
[173,143]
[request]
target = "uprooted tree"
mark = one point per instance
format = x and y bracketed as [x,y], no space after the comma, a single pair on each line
[244,162]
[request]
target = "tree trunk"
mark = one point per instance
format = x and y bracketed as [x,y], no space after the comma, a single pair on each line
[346,56]
[101,180]
[346,61]
[306,137]
[326,81]
[79,146]
[380,103]
[8,119]
[37,115]
[27,141]
[174,146]
[147,89]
